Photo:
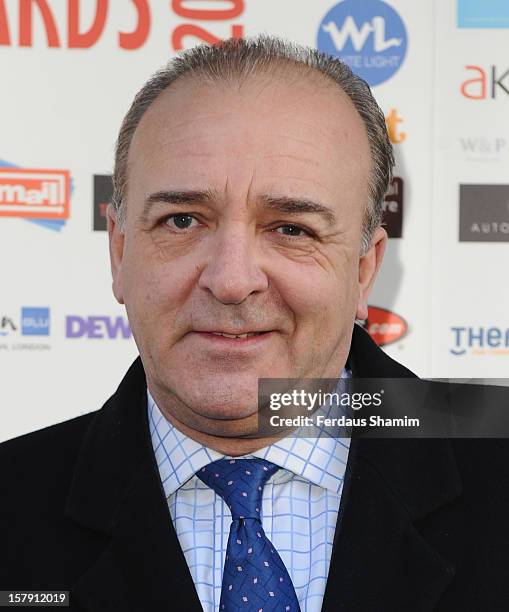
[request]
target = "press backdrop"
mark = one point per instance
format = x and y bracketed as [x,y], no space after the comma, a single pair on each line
[69,70]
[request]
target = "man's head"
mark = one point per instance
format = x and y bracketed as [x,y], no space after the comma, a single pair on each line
[248,187]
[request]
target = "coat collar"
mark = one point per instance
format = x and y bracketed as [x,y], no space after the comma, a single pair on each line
[379,559]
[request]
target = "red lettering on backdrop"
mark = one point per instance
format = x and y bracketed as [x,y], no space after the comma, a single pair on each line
[5,37]
[84,40]
[210,14]
[25,23]
[78,39]
[135,39]
[200,33]
[481,85]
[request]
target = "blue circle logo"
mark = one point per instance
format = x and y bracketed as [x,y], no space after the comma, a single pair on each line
[369,36]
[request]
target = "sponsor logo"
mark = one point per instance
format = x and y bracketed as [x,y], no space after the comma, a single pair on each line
[97,327]
[475,148]
[35,321]
[484,83]
[38,196]
[103,190]
[34,193]
[480,341]
[392,207]
[483,13]
[384,326]
[7,325]
[369,36]
[392,121]
[484,213]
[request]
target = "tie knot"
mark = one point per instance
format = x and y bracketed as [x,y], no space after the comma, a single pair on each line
[240,483]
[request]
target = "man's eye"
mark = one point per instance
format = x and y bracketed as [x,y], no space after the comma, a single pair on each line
[291,230]
[180,221]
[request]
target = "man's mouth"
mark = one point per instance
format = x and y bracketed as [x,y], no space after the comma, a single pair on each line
[234,340]
[246,335]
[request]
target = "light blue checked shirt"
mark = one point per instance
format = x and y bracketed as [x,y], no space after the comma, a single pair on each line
[299,509]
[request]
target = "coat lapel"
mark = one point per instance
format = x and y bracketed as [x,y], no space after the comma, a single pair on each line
[380,561]
[117,491]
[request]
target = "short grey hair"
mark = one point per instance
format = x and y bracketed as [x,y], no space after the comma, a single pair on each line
[235,60]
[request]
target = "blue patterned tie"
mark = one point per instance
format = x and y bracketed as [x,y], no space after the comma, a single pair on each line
[254,577]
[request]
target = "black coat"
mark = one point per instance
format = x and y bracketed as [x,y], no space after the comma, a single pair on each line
[423,524]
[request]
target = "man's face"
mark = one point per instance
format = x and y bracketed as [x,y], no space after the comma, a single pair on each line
[244,216]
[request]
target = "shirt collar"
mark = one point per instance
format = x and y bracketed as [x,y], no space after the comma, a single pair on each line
[320,460]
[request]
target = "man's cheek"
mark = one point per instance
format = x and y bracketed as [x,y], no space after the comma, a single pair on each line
[309,295]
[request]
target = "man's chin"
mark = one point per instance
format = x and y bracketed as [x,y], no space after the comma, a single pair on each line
[219,420]
[221,411]
[218,397]
[209,403]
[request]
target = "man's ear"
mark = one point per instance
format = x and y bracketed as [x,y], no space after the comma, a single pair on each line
[116,238]
[369,265]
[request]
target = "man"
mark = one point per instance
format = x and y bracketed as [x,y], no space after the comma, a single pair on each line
[245,237]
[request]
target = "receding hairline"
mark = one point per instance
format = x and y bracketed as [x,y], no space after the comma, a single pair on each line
[269,73]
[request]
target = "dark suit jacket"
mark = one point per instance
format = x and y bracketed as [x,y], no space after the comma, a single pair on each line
[423,524]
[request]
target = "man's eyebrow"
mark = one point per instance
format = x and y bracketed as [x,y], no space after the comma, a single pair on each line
[298,205]
[177,198]
[284,204]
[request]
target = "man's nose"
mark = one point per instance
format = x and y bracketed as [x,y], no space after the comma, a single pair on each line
[232,271]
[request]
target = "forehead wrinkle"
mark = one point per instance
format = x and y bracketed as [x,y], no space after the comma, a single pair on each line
[231,197]
[300,179]
[300,141]
[225,191]
[192,122]
[324,136]
[210,115]
[250,185]
[305,160]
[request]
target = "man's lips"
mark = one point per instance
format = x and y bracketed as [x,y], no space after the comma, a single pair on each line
[232,334]
[229,338]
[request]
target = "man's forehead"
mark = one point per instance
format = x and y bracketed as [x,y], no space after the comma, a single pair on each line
[309,101]
[286,139]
